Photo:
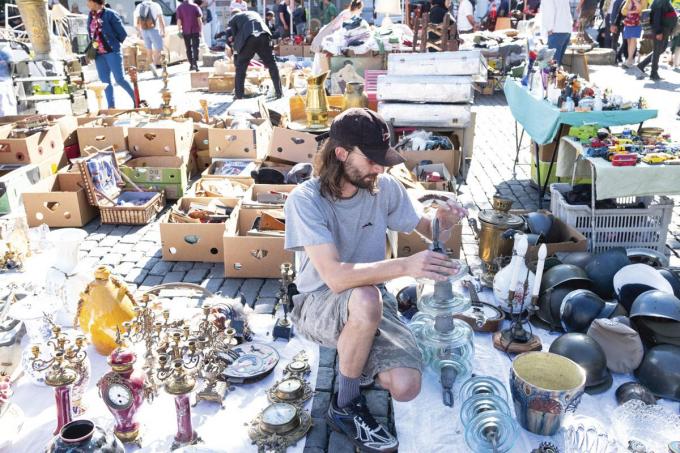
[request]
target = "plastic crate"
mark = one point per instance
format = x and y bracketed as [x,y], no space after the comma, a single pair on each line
[624,227]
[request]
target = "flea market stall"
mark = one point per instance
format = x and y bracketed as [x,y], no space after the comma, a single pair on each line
[164,324]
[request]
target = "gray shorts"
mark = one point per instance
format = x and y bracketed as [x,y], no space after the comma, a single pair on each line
[321,315]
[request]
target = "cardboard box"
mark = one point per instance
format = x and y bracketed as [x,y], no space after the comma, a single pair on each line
[201,139]
[210,186]
[247,167]
[262,192]
[443,185]
[203,160]
[450,158]
[199,79]
[239,143]
[161,138]
[297,50]
[32,149]
[197,241]
[292,146]
[15,180]
[568,239]
[101,133]
[253,256]
[168,173]
[58,201]
[223,83]
[67,125]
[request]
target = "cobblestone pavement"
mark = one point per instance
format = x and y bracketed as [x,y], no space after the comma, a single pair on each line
[135,252]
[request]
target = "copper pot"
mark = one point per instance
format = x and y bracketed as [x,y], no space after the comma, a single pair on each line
[492,245]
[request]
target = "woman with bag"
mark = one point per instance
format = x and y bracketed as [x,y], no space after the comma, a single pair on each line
[632,28]
[106,33]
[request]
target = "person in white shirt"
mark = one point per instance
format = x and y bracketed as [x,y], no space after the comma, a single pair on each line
[151,27]
[556,25]
[465,19]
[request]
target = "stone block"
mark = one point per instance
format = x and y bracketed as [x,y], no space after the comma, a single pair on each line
[136,276]
[231,286]
[161,268]
[173,277]
[183,266]
[327,357]
[152,280]
[320,404]
[212,284]
[325,378]
[378,402]
[195,275]
[338,443]
[318,434]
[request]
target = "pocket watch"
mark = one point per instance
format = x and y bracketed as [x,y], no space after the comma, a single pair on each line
[279,426]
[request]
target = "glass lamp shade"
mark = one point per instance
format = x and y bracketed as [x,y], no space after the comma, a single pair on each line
[387,6]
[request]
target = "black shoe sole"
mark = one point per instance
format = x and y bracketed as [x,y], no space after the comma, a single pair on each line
[355,443]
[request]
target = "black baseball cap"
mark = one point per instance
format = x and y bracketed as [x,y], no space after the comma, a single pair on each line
[366,130]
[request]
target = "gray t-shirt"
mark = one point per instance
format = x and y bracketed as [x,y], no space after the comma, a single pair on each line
[357,226]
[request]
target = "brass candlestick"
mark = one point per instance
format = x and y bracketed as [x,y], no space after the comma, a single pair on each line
[64,366]
[283,327]
[166,109]
[204,108]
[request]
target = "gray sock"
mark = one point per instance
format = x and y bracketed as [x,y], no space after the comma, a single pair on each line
[348,390]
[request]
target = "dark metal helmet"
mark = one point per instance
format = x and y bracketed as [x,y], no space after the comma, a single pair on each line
[634,391]
[563,273]
[539,223]
[578,309]
[549,303]
[603,267]
[632,280]
[672,278]
[660,371]
[647,256]
[580,259]
[586,352]
[654,331]
[656,304]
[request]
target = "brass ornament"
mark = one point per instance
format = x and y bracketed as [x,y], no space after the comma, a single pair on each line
[278,438]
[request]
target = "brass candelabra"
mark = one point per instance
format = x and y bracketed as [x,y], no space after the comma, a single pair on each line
[64,367]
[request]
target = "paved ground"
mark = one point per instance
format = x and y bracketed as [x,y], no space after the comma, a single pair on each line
[135,252]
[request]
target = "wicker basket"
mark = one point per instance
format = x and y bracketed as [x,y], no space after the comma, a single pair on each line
[630,227]
[105,199]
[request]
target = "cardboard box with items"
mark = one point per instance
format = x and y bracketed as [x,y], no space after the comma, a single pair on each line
[426,147]
[241,138]
[221,187]
[105,132]
[67,124]
[168,173]
[58,201]
[193,230]
[30,141]
[267,195]
[560,238]
[103,181]
[232,168]
[257,250]
[434,177]
[165,137]
[409,244]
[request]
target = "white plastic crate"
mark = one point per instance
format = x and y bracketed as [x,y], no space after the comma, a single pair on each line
[630,227]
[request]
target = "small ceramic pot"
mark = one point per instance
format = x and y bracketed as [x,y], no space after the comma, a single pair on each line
[84,437]
[544,387]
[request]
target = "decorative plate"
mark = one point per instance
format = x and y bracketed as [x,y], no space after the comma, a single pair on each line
[252,361]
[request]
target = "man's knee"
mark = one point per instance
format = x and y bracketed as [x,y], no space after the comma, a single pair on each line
[365,305]
[404,385]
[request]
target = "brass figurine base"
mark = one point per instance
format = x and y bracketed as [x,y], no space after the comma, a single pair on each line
[214,392]
[283,329]
[504,343]
[130,437]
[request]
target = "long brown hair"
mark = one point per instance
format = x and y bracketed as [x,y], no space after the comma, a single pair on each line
[329,169]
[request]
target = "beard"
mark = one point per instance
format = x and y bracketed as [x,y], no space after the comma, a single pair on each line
[363,181]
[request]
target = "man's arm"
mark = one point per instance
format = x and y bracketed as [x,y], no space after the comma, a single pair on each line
[340,276]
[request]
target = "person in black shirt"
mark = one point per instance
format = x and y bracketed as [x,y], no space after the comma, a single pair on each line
[438,11]
[247,35]
[283,19]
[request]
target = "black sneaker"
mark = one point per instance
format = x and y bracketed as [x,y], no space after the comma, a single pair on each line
[357,423]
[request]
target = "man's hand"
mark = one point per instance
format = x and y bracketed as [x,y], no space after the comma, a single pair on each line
[449,214]
[614,29]
[432,265]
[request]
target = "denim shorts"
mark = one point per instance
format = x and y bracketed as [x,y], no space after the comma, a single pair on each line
[321,315]
[632,32]
[152,39]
